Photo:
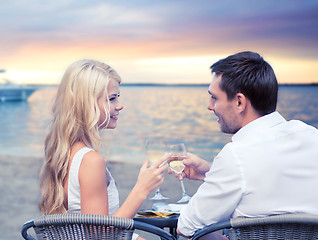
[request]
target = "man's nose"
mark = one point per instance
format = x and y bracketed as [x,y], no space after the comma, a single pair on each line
[211,105]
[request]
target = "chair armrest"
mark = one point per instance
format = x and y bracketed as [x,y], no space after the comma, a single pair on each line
[211,228]
[153,229]
[275,219]
[25,228]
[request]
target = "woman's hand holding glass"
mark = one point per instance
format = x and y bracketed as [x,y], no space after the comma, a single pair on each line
[151,177]
[156,148]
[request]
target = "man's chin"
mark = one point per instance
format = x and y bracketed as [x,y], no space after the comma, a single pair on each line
[229,131]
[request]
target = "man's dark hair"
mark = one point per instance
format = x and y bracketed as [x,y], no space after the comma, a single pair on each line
[248,73]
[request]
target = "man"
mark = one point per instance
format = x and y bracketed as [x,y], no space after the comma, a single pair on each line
[271,165]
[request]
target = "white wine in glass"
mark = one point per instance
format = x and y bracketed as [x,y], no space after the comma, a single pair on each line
[178,153]
[154,155]
[177,166]
[155,149]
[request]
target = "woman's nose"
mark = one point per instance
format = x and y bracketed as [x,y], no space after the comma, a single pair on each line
[119,106]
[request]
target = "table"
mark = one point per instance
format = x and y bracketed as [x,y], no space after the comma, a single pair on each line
[169,222]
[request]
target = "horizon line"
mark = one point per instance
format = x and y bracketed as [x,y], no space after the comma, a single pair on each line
[178,84]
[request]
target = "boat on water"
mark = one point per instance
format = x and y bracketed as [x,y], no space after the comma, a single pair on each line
[10,91]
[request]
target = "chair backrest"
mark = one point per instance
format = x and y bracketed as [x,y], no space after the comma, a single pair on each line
[87,226]
[285,226]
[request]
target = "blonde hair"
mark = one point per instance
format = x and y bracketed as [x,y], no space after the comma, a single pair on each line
[75,118]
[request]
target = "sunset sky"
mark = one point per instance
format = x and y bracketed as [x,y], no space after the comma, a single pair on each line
[162,41]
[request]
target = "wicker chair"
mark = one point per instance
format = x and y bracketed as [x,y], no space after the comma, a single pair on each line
[285,226]
[87,226]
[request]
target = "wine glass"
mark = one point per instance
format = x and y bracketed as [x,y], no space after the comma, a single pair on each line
[155,149]
[178,153]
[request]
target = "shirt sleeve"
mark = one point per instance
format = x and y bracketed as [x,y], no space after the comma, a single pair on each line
[134,236]
[217,198]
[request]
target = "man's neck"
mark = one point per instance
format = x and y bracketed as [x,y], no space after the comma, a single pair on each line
[249,116]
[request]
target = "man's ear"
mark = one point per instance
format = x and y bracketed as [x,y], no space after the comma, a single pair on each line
[241,102]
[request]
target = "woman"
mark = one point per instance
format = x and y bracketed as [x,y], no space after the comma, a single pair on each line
[74,177]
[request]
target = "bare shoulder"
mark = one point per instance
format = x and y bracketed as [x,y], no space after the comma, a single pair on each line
[93,161]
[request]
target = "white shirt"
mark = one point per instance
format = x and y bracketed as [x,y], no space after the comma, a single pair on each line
[270,167]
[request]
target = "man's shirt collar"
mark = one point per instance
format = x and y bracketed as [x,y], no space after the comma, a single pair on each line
[255,126]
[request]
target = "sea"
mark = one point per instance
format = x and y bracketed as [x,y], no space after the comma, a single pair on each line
[174,113]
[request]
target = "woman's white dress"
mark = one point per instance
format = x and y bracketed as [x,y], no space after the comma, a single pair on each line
[74,194]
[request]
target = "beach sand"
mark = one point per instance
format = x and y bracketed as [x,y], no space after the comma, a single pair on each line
[19,190]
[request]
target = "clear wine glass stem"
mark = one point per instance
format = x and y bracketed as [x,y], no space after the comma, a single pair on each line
[182,186]
[158,195]
[185,196]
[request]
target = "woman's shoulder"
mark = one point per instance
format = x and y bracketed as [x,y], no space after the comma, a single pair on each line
[90,158]
[93,159]
[93,156]
[92,169]
[92,173]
